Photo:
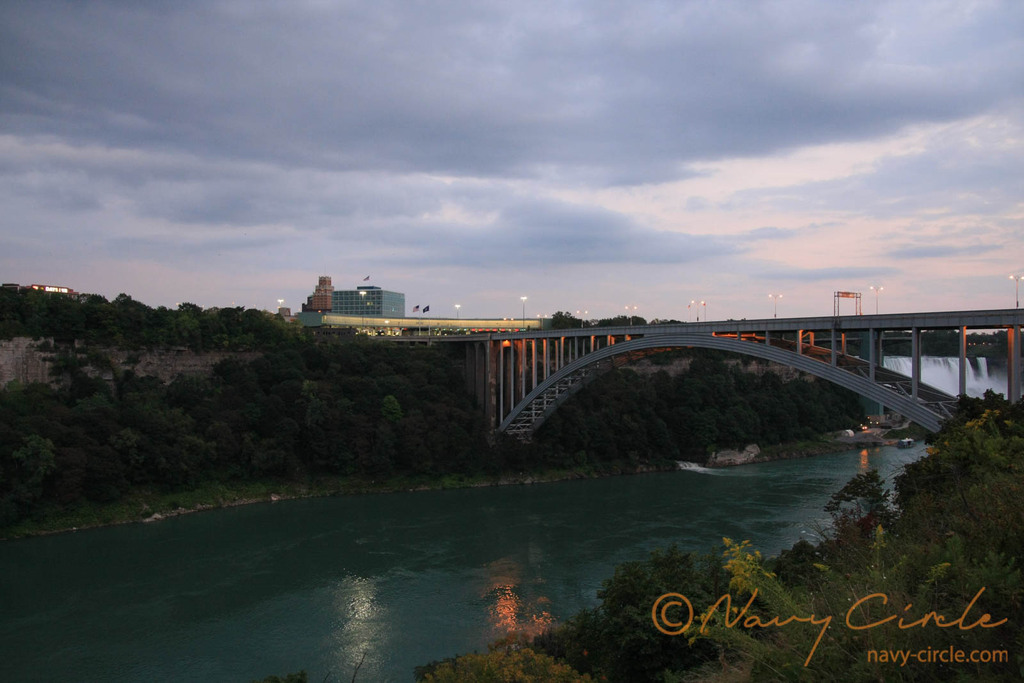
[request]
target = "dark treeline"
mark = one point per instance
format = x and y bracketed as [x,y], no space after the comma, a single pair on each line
[356,408]
[361,408]
[130,324]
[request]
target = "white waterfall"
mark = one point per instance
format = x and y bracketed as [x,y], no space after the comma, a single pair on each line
[943,373]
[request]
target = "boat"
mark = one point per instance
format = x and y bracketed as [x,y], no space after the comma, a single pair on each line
[905,443]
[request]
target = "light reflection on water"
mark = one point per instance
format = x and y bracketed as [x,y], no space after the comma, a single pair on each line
[511,614]
[360,631]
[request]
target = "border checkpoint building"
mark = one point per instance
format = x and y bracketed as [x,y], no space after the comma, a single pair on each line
[379,312]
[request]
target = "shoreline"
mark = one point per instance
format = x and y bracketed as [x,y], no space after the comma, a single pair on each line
[147,507]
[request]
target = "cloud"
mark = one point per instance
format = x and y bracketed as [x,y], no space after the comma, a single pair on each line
[835,275]
[687,145]
[627,93]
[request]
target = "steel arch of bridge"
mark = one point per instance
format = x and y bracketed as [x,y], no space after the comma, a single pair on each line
[888,388]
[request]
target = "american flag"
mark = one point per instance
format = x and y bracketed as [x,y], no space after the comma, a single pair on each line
[415,308]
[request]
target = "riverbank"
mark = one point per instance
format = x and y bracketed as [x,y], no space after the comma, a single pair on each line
[873,438]
[147,506]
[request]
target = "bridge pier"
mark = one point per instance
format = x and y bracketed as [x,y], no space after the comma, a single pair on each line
[963,361]
[915,361]
[1013,364]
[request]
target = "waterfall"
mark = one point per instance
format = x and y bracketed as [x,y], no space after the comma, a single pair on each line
[942,372]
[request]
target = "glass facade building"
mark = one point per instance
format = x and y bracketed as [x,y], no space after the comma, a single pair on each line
[369,302]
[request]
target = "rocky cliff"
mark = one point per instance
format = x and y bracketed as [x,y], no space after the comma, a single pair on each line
[31,360]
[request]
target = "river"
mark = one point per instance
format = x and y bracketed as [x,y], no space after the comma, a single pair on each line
[242,593]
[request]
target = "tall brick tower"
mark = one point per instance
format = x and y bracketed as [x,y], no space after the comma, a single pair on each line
[321,299]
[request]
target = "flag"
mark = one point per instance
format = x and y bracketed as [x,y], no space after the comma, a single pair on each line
[415,308]
[426,308]
[366,278]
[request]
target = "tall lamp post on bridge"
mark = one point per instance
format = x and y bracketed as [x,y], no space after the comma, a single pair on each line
[876,290]
[457,307]
[775,301]
[689,314]
[1017,279]
[523,299]
[704,305]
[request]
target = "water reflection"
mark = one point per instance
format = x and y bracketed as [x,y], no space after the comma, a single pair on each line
[360,629]
[509,613]
[864,460]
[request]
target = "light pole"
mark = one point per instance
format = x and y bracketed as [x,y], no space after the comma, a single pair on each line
[689,313]
[630,315]
[581,318]
[362,308]
[1017,279]
[876,290]
[775,300]
[457,307]
[704,305]
[523,299]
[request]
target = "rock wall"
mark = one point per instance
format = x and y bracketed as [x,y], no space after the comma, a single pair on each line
[29,360]
[21,360]
[166,364]
[730,458]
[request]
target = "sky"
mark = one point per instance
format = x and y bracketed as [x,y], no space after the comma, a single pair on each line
[590,155]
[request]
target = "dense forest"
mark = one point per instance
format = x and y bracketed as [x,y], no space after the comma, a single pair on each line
[717,402]
[938,549]
[362,408]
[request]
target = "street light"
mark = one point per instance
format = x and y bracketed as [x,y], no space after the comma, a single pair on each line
[457,307]
[704,305]
[631,314]
[523,299]
[362,307]
[876,290]
[775,300]
[689,315]
[1017,278]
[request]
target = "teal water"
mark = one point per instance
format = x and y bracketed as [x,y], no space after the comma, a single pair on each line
[396,580]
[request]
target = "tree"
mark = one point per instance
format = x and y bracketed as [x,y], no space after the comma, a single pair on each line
[617,638]
[563,320]
[507,662]
[390,409]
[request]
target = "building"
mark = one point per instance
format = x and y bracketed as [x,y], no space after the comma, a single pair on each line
[368,302]
[378,312]
[51,289]
[320,301]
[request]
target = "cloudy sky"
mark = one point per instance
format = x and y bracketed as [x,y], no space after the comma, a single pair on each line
[588,155]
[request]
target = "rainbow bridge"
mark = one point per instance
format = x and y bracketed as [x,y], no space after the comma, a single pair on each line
[521,377]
